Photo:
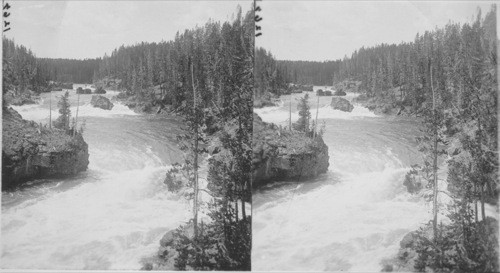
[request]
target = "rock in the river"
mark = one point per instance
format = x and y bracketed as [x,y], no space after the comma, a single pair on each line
[341,104]
[414,182]
[339,93]
[102,102]
[280,155]
[100,90]
[31,151]
[80,90]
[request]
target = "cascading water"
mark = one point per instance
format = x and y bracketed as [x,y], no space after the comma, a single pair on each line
[108,217]
[355,215]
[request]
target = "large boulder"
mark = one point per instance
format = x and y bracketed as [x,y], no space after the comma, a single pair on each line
[100,90]
[341,104]
[102,102]
[80,90]
[31,151]
[339,93]
[414,182]
[282,155]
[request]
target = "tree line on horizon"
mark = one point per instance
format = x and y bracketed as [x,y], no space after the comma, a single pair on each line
[23,71]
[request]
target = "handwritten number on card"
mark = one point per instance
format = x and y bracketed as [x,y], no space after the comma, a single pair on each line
[257,18]
[6,14]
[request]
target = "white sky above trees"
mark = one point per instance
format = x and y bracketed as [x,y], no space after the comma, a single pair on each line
[89,29]
[292,30]
[329,30]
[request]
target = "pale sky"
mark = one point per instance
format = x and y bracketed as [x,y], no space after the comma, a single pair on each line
[89,29]
[329,30]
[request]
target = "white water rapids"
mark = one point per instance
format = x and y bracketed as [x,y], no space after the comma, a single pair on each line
[355,215]
[108,217]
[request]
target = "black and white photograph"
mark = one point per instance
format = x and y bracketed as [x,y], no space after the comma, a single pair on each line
[126,135]
[249,135]
[375,137]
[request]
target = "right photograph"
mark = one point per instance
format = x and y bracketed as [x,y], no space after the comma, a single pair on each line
[375,141]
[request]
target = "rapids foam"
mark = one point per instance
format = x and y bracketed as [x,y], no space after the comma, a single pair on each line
[36,112]
[350,218]
[88,110]
[107,223]
[280,114]
[108,217]
[349,225]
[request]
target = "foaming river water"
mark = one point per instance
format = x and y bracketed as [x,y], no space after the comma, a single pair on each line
[108,217]
[355,215]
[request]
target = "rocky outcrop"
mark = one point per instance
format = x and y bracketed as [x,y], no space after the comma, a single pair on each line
[31,151]
[102,102]
[280,155]
[268,99]
[28,97]
[165,259]
[481,234]
[341,104]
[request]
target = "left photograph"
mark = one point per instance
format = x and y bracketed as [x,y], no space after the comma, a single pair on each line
[127,135]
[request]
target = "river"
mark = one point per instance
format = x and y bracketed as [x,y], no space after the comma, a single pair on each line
[107,217]
[355,215]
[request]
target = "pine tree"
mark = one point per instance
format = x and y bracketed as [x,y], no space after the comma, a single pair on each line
[304,115]
[63,121]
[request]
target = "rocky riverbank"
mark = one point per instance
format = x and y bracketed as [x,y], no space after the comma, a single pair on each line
[267,100]
[280,155]
[28,97]
[416,249]
[31,151]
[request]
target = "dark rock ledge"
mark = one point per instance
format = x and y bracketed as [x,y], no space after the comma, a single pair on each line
[281,155]
[31,151]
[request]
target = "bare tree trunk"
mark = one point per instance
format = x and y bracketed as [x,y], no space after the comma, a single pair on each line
[434,165]
[316,122]
[195,163]
[76,116]
[483,212]
[237,212]
[290,116]
[476,210]
[50,110]
[479,123]
[243,210]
